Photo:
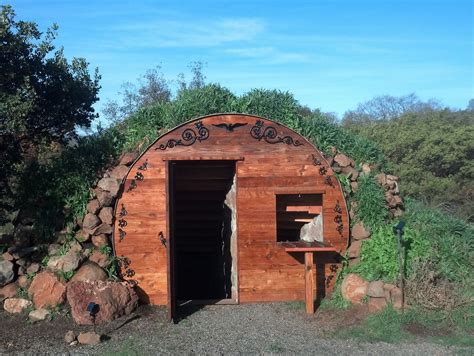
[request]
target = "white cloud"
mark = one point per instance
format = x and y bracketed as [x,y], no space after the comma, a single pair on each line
[270,55]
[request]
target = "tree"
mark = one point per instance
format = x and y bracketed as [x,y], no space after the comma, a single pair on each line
[43,97]
[470,105]
[387,107]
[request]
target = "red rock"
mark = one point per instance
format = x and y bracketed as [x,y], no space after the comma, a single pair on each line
[354,288]
[24,282]
[119,172]
[70,337]
[114,299]
[100,258]
[93,206]
[128,158]
[376,305]
[366,168]
[90,221]
[351,173]
[354,249]
[38,315]
[375,289]
[16,305]
[106,215]
[88,338]
[89,271]
[7,256]
[343,160]
[354,186]
[103,229]
[8,291]
[359,232]
[354,261]
[47,291]
[100,240]
[392,178]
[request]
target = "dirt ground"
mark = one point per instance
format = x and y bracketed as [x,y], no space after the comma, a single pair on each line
[257,328]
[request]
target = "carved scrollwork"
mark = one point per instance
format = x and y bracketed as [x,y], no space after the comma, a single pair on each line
[188,137]
[270,135]
[229,127]
[144,166]
[316,161]
[122,234]
[338,218]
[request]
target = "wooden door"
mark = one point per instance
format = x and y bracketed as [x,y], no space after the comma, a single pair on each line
[171,264]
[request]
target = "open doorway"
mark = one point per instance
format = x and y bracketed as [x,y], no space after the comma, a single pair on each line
[203,217]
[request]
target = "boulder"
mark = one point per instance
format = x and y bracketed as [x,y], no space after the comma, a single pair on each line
[359,232]
[7,256]
[100,240]
[89,271]
[110,185]
[376,290]
[381,179]
[354,186]
[7,272]
[128,158]
[82,236]
[8,291]
[119,172]
[100,258]
[396,297]
[33,268]
[88,338]
[366,168]
[93,206]
[38,315]
[103,229]
[104,197]
[343,161]
[106,215]
[16,305]
[24,282]
[350,173]
[354,249]
[90,221]
[114,299]
[53,249]
[47,291]
[354,288]
[376,305]
[70,337]
[68,262]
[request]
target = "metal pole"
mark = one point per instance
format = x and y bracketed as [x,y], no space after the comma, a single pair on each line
[400,266]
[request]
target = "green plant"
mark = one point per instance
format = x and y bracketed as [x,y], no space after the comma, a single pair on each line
[23,293]
[66,275]
[371,208]
[105,250]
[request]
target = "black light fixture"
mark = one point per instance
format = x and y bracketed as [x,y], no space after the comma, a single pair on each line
[93,309]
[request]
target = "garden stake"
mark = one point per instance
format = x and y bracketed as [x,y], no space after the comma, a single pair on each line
[398,230]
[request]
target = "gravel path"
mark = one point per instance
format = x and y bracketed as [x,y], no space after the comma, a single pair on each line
[257,328]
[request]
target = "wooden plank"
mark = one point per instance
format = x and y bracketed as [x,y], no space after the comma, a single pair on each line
[309,282]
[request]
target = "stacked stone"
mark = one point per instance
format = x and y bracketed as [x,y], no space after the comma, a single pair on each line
[84,257]
[392,193]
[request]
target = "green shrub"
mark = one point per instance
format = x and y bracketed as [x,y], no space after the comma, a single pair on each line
[371,207]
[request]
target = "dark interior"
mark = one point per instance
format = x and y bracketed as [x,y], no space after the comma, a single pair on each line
[202,229]
[295,210]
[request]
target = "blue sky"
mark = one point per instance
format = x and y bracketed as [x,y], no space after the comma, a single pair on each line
[329,54]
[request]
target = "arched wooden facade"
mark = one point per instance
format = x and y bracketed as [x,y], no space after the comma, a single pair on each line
[169,200]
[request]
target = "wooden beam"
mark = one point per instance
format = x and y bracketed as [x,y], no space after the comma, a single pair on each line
[309,282]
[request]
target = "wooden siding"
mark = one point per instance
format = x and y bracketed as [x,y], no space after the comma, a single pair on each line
[265,271]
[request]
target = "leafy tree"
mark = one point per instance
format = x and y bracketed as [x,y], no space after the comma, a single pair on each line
[470,105]
[43,97]
[433,152]
[387,107]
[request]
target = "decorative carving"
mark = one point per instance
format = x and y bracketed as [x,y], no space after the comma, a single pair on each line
[123,211]
[338,217]
[316,161]
[162,238]
[124,263]
[122,223]
[144,166]
[328,180]
[132,186]
[188,137]
[323,170]
[122,234]
[270,135]
[139,176]
[229,127]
